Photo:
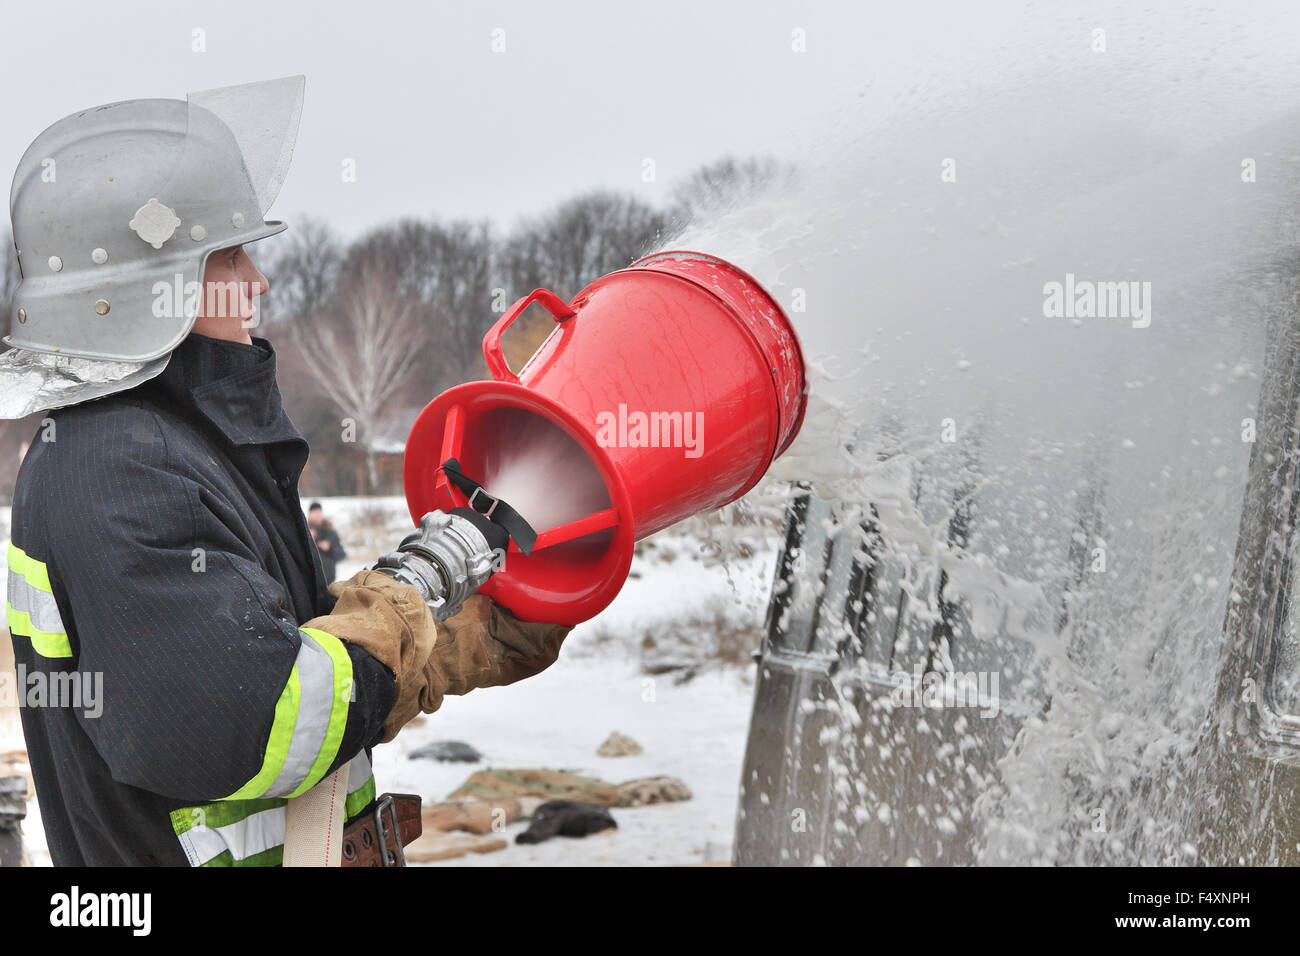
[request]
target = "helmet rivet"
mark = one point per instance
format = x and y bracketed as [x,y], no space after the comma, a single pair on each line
[198,233]
[22,315]
[99,256]
[101,306]
[55,263]
[237,220]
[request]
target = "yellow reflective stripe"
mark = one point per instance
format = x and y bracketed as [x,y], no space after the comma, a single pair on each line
[27,576]
[51,644]
[338,711]
[310,718]
[35,572]
[359,799]
[277,745]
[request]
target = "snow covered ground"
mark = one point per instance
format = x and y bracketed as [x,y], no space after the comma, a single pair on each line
[694,730]
[557,720]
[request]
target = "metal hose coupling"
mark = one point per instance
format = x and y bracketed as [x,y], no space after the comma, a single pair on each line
[452,555]
[448,558]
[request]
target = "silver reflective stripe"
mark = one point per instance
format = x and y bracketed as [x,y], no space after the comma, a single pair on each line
[247,837]
[315,704]
[358,772]
[39,605]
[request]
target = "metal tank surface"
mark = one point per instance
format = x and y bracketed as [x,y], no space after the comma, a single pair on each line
[854,717]
[885,733]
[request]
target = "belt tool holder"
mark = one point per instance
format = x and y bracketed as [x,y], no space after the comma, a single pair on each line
[385,834]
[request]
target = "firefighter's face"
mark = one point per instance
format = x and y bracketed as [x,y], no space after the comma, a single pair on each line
[231,285]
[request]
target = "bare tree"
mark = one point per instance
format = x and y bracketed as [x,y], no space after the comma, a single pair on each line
[303,268]
[580,240]
[10,276]
[359,350]
[447,269]
[727,183]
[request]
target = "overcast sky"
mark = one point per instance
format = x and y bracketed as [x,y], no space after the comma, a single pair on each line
[439,123]
[582,95]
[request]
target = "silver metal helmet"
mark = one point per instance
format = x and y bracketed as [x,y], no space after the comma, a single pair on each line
[115,211]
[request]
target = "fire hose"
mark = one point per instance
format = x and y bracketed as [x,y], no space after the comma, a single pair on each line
[447,559]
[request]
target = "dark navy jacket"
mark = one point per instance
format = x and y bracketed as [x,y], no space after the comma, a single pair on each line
[159,548]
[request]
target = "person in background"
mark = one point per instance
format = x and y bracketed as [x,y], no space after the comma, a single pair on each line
[327,540]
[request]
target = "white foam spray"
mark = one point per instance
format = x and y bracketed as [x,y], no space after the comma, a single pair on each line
[544,475]
[915,254]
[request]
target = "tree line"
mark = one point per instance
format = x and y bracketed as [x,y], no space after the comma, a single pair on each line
[368,330]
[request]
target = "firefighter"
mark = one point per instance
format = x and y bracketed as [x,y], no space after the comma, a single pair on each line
[159,551]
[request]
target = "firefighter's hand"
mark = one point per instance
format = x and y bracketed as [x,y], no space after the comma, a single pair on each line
[486,646]
[391,621]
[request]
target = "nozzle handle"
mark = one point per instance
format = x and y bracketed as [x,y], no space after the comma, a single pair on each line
[496,359]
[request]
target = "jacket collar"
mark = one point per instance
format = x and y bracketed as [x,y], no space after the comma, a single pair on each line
[230,384]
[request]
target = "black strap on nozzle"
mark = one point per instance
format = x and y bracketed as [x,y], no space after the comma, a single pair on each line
[494,509]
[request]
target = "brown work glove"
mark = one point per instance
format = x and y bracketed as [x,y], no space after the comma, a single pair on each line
[486,646]
[391,621]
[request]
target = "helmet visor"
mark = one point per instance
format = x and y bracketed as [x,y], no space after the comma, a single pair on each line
[263,119]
